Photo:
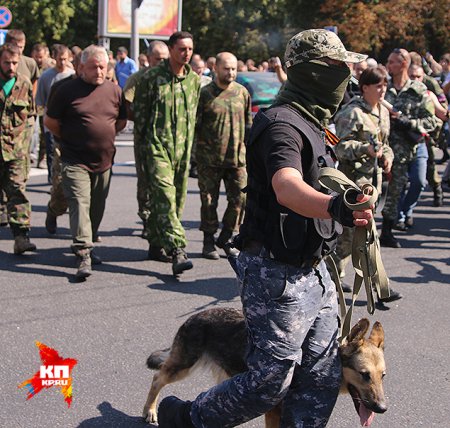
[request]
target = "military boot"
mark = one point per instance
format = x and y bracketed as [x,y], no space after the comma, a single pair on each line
[180,261]
[224,242]
[83,264]
[22,243]
[3,219]
[438,196]
[174,413]
[387,239]
[209,249]
[50,223]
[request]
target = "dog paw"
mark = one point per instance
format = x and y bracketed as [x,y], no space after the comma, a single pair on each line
[150,416]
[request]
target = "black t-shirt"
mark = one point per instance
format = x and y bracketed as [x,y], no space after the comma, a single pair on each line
[87,115]
[279,146]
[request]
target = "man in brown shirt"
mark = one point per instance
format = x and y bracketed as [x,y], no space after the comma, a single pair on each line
[86,113]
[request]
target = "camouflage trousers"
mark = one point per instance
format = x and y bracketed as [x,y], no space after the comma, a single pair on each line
[433,177]
[13,178]
[343,252]
[167,177]
[57,205]
[397,184]
[209,179]
[143,194]
[291,318]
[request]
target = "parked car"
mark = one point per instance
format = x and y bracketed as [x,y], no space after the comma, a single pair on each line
[262,86]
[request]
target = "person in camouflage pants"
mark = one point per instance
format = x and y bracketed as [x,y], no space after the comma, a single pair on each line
[157,52]
[16,106]
[224,118]
[164,110]
[290,309]
[363,151]
[412,116]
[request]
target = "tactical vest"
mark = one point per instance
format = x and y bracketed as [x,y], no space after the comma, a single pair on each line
[290,237]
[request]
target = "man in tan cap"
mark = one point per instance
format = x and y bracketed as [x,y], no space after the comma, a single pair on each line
[289,300]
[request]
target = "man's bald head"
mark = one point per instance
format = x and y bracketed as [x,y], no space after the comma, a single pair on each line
[226,69]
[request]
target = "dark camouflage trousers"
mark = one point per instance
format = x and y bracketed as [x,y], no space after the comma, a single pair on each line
[433,177]
[291,317]
[398,182]
[143,194]
[209,179]
[57,205]
[13,178]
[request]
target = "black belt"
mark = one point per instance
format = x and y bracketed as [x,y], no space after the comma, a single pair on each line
[257,248]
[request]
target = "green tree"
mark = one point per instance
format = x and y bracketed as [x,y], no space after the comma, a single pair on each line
[55,21]
[247,28]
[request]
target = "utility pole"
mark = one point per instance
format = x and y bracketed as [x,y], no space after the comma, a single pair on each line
[134,42]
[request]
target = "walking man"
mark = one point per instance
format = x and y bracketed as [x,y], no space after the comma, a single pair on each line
[157,52]
[224,118]
[125,66]
[16,106]
[164,109]
[60,71]
[288,298]
[85,114]
[412,118]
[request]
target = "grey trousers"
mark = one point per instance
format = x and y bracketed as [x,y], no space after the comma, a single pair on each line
[291,318]
[86,194]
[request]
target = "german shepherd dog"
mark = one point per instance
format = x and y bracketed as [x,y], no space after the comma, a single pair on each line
[217,339]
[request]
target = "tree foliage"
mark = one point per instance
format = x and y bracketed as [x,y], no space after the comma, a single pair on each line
[55,21]
[259,28]
[377,26]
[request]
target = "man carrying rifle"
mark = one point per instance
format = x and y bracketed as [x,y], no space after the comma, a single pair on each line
[411,119]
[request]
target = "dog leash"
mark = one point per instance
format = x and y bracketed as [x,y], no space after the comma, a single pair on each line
[366,255]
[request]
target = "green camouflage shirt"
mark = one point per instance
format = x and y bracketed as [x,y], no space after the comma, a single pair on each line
[14,112]
[358,127]
[164,108]
[130,86]
[412,100]
[224,118]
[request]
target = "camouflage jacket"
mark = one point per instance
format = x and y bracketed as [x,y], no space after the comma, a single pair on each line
[130,86]
[359,127]
[413,102]
[165,108]
[224,118]
[14,112]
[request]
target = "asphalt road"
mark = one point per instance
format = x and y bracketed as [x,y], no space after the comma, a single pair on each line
[131,306]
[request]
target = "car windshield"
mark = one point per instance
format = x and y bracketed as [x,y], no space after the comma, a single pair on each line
[262,86]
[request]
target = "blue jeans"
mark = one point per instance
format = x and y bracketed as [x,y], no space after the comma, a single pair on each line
[291,319]
[417,174]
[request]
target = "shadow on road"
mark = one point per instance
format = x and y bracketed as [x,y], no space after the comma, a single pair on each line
[111,417]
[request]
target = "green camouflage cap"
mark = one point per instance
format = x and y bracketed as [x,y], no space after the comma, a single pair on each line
[314,44]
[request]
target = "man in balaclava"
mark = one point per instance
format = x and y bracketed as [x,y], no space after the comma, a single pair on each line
[288,298]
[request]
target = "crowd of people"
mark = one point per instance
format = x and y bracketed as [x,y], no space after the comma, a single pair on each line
[388,120]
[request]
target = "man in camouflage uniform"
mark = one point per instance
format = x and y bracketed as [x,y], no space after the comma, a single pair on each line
[413,116]
[363,151]
[224,118]
[290,308]
[164,109]
[27,68]
[16,105]
[157,52]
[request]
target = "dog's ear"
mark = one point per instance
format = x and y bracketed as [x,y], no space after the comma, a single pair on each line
[377,335]
[358,331]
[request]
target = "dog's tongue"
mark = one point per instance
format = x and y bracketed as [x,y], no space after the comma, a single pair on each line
[365,415]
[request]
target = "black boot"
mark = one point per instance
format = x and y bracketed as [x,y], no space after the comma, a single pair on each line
[180,261]
[438,196]
[393,295]
[387,239]
[158,254]
[209,249]
[224,242]
[174,413]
